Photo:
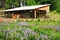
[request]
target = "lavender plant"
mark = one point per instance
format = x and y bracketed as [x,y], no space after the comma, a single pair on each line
[35,30]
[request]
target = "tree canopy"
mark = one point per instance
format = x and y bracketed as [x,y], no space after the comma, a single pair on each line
[17,3]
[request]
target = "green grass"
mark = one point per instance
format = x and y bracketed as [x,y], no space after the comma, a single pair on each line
[41,27]
[44,29]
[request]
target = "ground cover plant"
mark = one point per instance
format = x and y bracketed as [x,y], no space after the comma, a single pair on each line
[41,29]
[30,30]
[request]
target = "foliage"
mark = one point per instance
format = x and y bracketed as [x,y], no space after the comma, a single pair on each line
[39,30]
[31,2]
[11,4]
[17,3]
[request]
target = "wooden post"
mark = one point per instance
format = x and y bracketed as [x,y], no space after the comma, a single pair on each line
[35,14]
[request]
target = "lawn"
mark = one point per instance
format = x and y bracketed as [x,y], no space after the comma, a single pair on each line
[41,29]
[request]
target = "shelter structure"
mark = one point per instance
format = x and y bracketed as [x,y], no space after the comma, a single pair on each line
[27,11]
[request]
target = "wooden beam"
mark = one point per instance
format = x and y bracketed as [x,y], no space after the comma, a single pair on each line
[35,14]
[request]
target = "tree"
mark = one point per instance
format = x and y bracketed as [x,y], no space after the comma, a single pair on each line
[7,5]
[52,2]
[58,6]
[55,4]
[31,2]
[14,3]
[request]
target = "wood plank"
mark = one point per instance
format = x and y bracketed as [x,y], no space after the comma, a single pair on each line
[35,14]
